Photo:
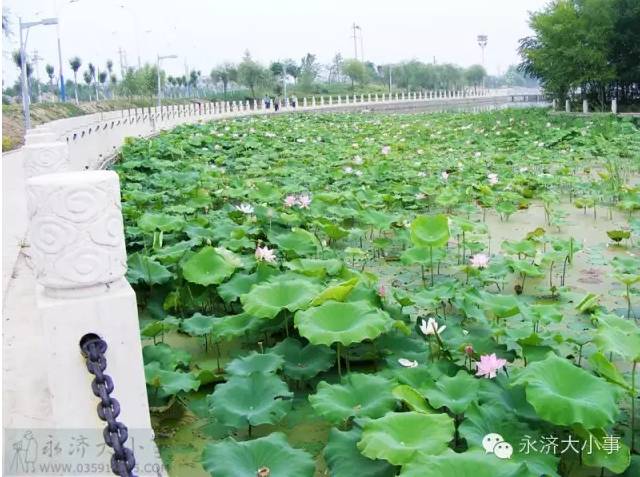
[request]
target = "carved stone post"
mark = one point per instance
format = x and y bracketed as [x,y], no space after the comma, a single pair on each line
[614,106]
[44,155]
[585,106]
[567,106]
[304,102]
[313,101]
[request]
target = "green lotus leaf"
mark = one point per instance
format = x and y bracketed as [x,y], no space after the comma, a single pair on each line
[255,363]
[250,400]
[233,326]
[525,268]
[399,437]
[359,395]
[175,252]
[467,464]
[564,394]
[268,299]
[171,382]
[430,231]
[588,303]
[605,368]
[230,458]
[412,398]
[546,313]
[166,223]
[207,267]
[303,362]
[523,247]
[619,336]
[198,325]
[168,357]
[143,269]
[337,292]
[315,267]
[241,283]
[501,306]
[345,460]
[597,453]
[455,393]
[153,328]
[299,241]
[493,417]
[345,323]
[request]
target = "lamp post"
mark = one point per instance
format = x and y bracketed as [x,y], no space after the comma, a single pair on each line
[63,91]
[160,58]
[482,43]
[23,64]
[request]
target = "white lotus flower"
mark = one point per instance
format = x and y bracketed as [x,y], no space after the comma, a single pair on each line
[245,208]
[407,363]
[431,327]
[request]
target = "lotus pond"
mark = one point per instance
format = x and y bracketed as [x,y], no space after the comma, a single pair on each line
[432,295]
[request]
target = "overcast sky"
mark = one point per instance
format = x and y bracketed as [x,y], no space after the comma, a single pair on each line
[206,32]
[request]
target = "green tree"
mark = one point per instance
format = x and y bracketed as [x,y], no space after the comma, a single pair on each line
[474,75]
[292,69]
[570,47]
[224,73]
[49,70]
[309,69]
[75,63]
[355,70]
[250,73]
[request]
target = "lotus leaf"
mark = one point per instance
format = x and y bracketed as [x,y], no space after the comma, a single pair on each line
[207,267]
[399,437]
[250,400]
[345,460]
[360,395]
[303,362]
[565,394]
[230,458]
[345,323]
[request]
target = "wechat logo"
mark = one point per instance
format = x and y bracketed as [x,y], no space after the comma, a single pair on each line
[495,444]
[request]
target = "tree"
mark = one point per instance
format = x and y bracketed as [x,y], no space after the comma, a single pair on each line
[110,66]
[292,69]
[102,78]
[355,70]
[49,70]
[309,69]
[335,68]
[75,64]
[6,23]
[224,73]
[250,73]
[17,59]
[474,75]
[571,47]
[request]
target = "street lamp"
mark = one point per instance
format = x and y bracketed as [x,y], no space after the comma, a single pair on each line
[482,43]
[160,58]
[63,92]
[23,64]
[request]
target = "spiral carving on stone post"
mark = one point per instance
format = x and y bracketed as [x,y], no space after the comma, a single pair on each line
[77,234]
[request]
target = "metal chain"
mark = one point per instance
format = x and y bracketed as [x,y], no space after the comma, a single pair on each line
[115,433]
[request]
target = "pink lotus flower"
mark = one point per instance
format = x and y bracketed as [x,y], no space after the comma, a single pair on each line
[382,290]
[385,150]
[493,178]
[304,201]
[479,260]
[290,201]
[468,350]
[264,254]
[445,175]
[489,365]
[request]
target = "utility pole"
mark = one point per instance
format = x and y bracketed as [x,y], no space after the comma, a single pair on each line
[123,61]
[355,40]
[361,45]
[35,58]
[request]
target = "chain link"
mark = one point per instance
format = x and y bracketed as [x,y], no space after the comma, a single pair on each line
[115,433]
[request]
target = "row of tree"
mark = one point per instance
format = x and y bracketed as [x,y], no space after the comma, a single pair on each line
[586,47]
[249,78]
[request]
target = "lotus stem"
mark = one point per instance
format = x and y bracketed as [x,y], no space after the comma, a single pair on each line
[431,266]
[338,359]
[633,405]
[628,301]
